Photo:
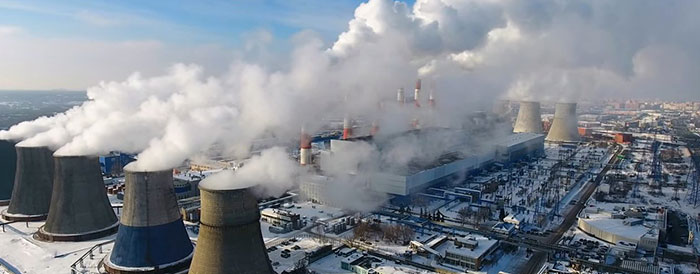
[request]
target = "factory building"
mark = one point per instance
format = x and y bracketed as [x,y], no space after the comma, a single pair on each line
[114,162]
[8,161]
[282,219]
[416,177]
[519,146]
[635,227]
[623,138]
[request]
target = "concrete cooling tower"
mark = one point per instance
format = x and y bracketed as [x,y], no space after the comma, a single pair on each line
[151,237]
[529,118]
[565,125]
[31,196]
[229,240]
[8,160]
[80,209]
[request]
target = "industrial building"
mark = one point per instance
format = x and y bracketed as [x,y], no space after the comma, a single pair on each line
[80,209]
[8,160]
[31,196]
[518,146]
[281,219]
[151,237]
[622,225]
[114,162]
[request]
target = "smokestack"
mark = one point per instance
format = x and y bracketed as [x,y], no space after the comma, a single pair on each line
[229,234]
[347,128]
[305,148]
[416,93]
[400,96]
[151,233]
[529,118]
[79,209]
[8,161]
[431,95]
[565,125]
[374,129]
[31,196]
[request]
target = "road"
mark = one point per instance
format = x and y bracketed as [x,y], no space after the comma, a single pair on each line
[535,263]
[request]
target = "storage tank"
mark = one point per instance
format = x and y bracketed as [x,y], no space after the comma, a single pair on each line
[529,118]
[565,125]
[8,160]
[152,237]
[229,240]
[80,209]
[31,196]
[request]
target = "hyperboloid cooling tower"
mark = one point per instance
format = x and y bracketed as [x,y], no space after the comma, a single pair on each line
[529,118]
[564,127]
[151,237]
[80,209]
[31,196]
[229,234]
[8,160]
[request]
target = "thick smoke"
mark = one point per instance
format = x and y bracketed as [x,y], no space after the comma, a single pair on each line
[272,173]
[475,51]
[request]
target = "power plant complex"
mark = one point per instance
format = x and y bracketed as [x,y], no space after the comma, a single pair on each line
[415,197]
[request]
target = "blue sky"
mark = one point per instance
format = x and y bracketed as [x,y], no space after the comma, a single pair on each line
[209,21]
[75,44]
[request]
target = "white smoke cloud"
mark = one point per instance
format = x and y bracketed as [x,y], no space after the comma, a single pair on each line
[475,51]
[272,173]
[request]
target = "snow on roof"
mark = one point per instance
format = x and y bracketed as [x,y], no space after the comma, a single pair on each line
[484,245]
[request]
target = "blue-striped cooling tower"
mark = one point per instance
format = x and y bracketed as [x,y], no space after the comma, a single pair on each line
[152,237]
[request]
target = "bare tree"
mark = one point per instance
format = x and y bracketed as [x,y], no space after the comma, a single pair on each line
[464,214]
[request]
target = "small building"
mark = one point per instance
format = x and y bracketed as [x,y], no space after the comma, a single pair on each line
[470,252]
[585,132]
[623,138]
[281,218]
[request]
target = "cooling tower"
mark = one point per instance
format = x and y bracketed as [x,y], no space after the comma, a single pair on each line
[229,234]
[31,196]
[79,208]
[151,237]
[564,127]
[529,118]
[8,160]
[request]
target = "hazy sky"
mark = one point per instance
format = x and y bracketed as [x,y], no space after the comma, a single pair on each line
[536,49]
[75,44]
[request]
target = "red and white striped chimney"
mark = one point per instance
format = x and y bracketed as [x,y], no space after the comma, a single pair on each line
[305,148]
[416,93]
[347,128]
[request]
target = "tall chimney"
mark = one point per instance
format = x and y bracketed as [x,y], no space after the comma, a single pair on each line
[347,128]
[416,93]
[80,209]
[431,95]
[305,148]
[31,196]
[151,233]
[565,125]
[400,97]
[8,161]
[229,240]
[529,118]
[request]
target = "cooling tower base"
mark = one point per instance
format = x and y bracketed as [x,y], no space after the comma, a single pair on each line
[90,235]
[4,202]
[22,218]
[177,267]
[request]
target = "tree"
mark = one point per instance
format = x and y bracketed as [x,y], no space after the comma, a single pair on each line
[464,214]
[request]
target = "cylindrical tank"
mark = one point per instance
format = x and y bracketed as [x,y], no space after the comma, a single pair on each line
[80,209]
[229,240]
[565,125]
[31,196]
[529,118]
[8,160]
[151,237]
